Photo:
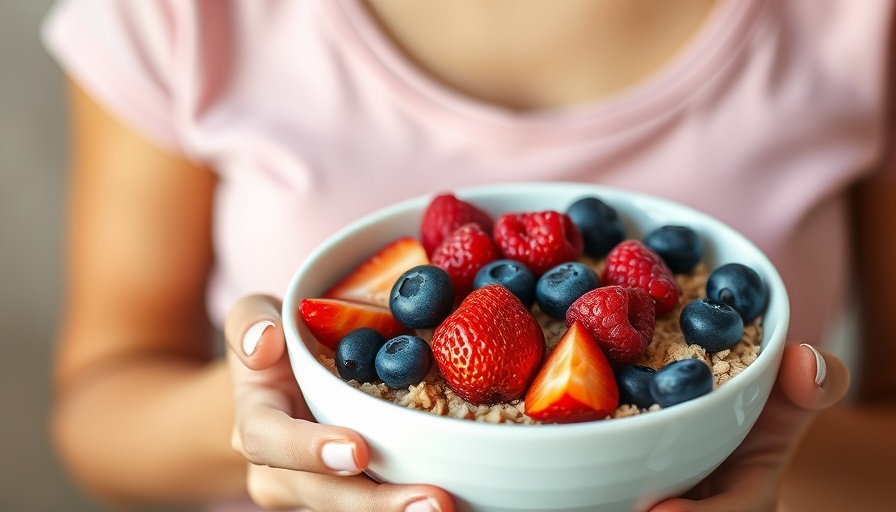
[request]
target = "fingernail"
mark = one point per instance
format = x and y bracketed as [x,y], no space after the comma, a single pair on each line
[253,336]
[340,457]
[424,505]
[821,368]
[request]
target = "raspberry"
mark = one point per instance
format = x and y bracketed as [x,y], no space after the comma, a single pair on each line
[540,240]
[462,254]
[631,263]
[620,319]
[446,213]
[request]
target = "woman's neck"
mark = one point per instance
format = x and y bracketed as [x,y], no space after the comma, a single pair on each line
[533,54]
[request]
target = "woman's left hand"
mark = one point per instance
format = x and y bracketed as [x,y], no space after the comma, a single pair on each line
[809,380]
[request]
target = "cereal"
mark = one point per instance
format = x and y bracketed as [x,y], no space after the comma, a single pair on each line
[668,344]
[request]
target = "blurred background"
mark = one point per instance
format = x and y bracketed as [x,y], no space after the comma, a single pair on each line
[32,181]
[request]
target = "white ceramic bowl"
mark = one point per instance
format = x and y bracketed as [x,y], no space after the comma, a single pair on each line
[614,465]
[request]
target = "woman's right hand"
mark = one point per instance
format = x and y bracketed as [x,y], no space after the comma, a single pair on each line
[293,461]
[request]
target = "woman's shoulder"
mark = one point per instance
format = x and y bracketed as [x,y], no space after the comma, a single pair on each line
[147,60]
[170,24]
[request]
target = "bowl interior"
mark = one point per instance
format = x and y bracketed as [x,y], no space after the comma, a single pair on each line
[332,401]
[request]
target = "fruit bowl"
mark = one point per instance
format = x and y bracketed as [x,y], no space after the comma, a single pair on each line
[610,465]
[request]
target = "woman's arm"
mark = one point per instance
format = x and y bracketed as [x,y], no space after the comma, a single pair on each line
[874,206]
[143,414]
[847,459]
[141,411]
[808,451]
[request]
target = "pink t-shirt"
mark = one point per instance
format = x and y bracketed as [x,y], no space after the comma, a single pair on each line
[312,118]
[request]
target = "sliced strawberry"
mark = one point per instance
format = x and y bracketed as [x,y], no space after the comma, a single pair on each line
[576,382]
[631,263]
[444,214]
[329,320]
[620,319]
[371,281]
[490,348]
[462,254]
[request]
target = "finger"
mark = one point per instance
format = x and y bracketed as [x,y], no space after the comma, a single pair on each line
[277,489]
[268,400]
[254,331]
[750,492]
[811,378]
[266,435]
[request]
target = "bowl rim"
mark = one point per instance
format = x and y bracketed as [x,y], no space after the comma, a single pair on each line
[768,359]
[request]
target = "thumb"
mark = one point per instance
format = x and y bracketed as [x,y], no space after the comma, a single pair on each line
[808,380]
[811,378]
[254,331]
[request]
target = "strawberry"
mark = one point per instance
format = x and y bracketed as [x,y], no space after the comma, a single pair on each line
[621,320]
[631,263]
[444,214]
[576,382]
[490,347]
[329,320]
[462,254]
[372,280]
[540,240]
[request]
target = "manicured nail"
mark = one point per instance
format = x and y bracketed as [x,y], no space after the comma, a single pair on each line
[340,457]
[821,368]
[424,505]
[253,336]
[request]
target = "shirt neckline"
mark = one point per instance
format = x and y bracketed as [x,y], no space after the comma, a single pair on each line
[704,56]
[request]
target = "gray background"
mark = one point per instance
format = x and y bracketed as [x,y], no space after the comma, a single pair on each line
[32,181]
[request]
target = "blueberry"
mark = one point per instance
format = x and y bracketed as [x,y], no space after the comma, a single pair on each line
[513,275]
[681,381]
[712,325]
[422,297]
[356,353]
[599,224]
[679,246]
[740,287]
[560,286]
[403,360]
[634,385]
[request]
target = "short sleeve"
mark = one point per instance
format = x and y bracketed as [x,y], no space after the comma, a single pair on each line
[122,52]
